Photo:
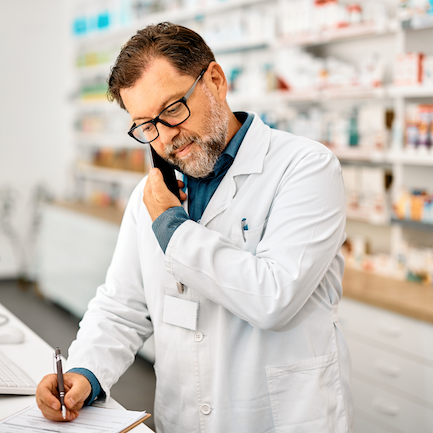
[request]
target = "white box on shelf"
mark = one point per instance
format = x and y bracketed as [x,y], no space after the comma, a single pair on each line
[408,69]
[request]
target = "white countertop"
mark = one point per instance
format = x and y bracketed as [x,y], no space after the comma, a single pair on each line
[35,357]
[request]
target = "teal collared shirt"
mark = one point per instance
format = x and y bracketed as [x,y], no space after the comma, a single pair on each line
[200,191]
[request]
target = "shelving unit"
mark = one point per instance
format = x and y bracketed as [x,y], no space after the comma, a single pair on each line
[387,36]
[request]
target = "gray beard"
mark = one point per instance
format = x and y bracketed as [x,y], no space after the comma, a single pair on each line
[199,163]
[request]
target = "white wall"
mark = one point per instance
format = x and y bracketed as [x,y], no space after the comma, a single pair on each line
[35,147]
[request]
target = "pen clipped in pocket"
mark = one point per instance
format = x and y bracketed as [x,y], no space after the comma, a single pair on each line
[247,239]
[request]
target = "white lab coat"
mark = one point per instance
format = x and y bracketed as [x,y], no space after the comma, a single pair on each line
[268,354]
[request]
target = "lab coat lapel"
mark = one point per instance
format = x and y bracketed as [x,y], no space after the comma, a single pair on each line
[249,160]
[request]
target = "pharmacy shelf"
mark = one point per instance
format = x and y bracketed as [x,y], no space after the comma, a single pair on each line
[116,140]
[357,92]
[385,291]
[337,93]
[275,98]
[269,99]
[411,157]
[239,46]
[360,154]
[410,92]
[365,218]
[415,225]
[180,15]
[86,72]
[92,172]
[96,104]
[327,36]
[106,213]
[103,69]
[403,157]
[418,22]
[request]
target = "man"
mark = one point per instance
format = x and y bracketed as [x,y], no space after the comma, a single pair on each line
[239,283]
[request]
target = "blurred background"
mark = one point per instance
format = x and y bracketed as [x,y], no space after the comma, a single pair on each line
[355,75]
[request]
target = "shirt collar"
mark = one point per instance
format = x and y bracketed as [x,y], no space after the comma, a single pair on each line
[232,148]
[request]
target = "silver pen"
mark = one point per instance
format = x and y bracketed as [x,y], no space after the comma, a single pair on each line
[61,384]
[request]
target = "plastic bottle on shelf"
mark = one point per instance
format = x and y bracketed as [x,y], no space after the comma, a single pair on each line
[353,129]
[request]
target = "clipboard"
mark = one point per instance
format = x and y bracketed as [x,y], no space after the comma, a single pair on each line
[148,415]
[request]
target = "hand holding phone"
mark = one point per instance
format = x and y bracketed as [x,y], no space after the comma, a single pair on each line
[167,171]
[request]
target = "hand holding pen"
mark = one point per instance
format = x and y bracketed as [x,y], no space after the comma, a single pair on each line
[77,389]
[61,384]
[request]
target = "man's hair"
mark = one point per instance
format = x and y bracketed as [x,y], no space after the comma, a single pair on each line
[182,47]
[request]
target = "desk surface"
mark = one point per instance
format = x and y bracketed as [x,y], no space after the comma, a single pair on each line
[403,297]
[35,357]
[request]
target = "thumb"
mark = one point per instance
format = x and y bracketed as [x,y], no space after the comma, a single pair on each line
[80,389]
[159,188]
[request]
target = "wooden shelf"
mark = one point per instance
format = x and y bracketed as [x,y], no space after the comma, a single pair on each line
[410,299]
[109,214]
[103,174]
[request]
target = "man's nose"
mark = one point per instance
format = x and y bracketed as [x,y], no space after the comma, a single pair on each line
[166,134]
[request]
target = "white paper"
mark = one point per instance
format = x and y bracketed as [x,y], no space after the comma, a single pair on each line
[90,420]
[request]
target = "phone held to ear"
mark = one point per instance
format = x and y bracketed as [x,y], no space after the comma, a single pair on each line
[167,171]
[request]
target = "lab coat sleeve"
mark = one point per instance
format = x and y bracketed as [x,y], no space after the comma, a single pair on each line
[117,321]
[305,230]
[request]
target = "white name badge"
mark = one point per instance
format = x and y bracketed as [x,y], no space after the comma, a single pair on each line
[180,312]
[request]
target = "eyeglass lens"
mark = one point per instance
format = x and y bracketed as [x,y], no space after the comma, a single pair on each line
[174,115]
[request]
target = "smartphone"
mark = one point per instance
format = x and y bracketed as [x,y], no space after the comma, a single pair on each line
[167,171]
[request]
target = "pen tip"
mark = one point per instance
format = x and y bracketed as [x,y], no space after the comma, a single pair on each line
[64,412]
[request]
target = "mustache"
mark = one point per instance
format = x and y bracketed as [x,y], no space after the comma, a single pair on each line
[179,142]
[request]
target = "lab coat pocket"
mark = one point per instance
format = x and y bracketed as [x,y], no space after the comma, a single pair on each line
[306,396]
[247,239]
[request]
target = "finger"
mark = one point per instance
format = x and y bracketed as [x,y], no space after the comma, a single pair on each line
[46,392]
[183,196]
[56,415]
[47,400]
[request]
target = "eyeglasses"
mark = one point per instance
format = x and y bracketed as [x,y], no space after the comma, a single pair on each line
[173,115]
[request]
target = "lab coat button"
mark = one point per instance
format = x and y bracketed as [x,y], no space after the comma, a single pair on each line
[205,409]
[198,336]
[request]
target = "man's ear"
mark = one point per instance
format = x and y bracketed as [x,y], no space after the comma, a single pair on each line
[216,81]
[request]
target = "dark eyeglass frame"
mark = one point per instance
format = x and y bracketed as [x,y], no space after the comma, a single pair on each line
[158,120]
